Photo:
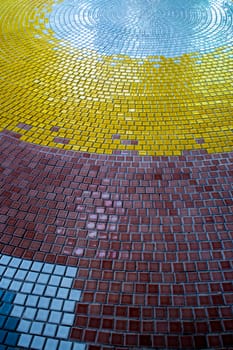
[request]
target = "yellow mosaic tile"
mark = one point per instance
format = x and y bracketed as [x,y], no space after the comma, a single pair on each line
[165,108]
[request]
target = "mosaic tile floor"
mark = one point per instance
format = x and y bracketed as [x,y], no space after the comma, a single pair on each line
[116,174]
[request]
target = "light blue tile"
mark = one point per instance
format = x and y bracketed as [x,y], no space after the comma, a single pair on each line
[10,272]
[36,266]
[2,320]
[55,317]
[57,304]
[43,278]
[71,271]
[68,319]
[66,282]
[50,330]
[63,293]
[29,313]
[44,302]
[17,311]
[27,287]
[36,328]
[79,346]
[51,344]
[69,305]
[32,276]
[32,300]
[5,260]
[42,315]
[25,340]
[59,270]
[48,268]
[24,326]
[16,286]
[50,291]
[65,345]
[4,283]
[15,262]
[2,270]
[25,264]
[75,294]
[21,274]
[55,280]
[38,343]
[63,332]
[39,289]
[20,299]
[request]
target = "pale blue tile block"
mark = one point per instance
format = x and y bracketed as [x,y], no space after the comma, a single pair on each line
[63,332]
[42,315]
[63,293]
[50,291]
[68,319]
[36,328]
[4,283]
[55,317]
[32,276]
[43,278]
[39,289]
[36,266]
[32,300]
[71,271]
[69,305]
[55,280]
[59,270]
[10,272]
[52,344]
[27,287]
[77,346]
[65,345]
[57,304]
[50,330]
[25,264]
[75,294]
[24,326]
[17,311]
[2,270]
[21,274]
[16,286]
[29,313]
[20,299]
[66,282]
[25,340]
[44,302]
[38,343]
[48,268]
[15,262]
[5,259]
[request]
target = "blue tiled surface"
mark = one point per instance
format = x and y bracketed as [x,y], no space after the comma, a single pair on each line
[37,305]
[140,28]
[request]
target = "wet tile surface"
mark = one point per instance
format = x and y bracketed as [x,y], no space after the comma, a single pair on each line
[116,175]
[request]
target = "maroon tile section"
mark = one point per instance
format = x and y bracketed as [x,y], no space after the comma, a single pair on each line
[152,237]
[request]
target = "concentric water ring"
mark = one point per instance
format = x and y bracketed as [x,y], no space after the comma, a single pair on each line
[140,28]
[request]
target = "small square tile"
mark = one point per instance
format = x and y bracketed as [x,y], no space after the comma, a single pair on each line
[10,272]
[11,323]
[69,305]
[27,287]
[52,344]
[63,293]
[17,311]
[5,259]
[25,264]
[8,297]
[2,336]
[55,317]
[65,345]
[24,326]
[42,315]
[2,321]
[2,270]
[39,289]
[36,266]
[38,343]
[59,270]
[5,309]
[50,291]
[63,332]
[79,347]
[16,286]
[20,299]
[43,278]
[57,304]
[50,330]
[48,268]
[75,294]
[29,313]
[25,340]
[54,280]
[4,283]
[20,275]
[12,338]
[36,328]
[68,319]
[71,271]
[32,300]
[66,282]
[44,302]
[32,276]
[15,262]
